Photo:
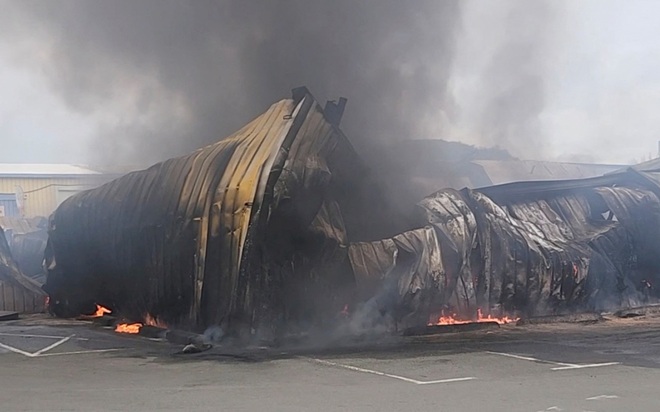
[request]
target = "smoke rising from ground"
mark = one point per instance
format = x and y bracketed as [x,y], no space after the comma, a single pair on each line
[161,78]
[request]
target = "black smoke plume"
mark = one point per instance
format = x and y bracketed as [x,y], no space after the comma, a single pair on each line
[165,77]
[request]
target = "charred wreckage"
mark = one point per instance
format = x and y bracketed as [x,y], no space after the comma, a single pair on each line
[280,227]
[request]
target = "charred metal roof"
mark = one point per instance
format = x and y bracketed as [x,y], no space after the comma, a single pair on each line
[17,292]
[191,239]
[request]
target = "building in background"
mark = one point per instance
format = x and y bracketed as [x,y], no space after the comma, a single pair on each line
[30,190]
[428,165]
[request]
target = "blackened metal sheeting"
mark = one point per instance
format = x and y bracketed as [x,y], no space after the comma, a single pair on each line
[27,240]
[18,293]
[588,244]
[149,230]
[404,274]
[210,238]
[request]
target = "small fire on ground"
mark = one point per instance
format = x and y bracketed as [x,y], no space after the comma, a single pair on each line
[128,328]
[453,320]
[134,328]
[100,311]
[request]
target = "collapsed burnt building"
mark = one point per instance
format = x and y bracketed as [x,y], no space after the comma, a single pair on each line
[246,233]
[18,293]
[281,227]
[27,238]
[530,248]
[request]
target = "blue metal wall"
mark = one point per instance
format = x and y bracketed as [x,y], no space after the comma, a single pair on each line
[8,200]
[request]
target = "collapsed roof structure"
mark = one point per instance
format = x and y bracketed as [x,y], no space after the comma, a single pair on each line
[533,248]
[18,293]
[250,231]
[279,227]
[27,238]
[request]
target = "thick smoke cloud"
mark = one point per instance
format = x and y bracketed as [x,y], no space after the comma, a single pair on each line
[161,77]
[514,82]
[505,68]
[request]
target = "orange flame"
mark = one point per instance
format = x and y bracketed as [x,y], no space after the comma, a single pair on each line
[100,311]
[453,320]
[135,327]
[128,328]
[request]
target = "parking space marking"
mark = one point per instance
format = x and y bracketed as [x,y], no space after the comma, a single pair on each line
[16,350]
[591,365]
[529,358]
[25,335]
[79,352]
[53,346]
[42,352]
[599,397]
[389,375]
[561,366]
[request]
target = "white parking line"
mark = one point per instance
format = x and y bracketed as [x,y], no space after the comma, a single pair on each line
[599,397]
[79,352]
[16,350]
[561,366]
[529,358]
[54,345]
[389,375]
[25,335]
[591,365]
[42,352]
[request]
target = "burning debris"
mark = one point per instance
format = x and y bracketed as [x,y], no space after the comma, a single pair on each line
[271,231]
[137,326]
[132,328]
[101,311]
[454,319]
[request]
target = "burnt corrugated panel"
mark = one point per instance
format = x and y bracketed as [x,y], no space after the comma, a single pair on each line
[549,246]
[18,293]
[404,274]
[148,231]
[227,235]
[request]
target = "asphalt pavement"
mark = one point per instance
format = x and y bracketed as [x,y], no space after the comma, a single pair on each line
[49,365]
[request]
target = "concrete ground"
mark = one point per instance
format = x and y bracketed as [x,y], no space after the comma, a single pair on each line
[50,365]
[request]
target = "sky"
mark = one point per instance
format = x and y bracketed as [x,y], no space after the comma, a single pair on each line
[547,80]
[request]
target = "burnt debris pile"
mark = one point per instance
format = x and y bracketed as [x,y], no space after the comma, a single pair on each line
[280,227]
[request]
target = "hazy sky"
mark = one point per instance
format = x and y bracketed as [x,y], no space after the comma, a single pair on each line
[575,80]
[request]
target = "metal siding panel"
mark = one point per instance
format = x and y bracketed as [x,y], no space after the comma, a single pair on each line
[15,288]
[41,192]
[235,195]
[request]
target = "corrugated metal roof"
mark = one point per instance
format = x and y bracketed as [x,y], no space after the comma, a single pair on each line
[506,171]
[184,240]
[17,292]
[551,246]
[43,169]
